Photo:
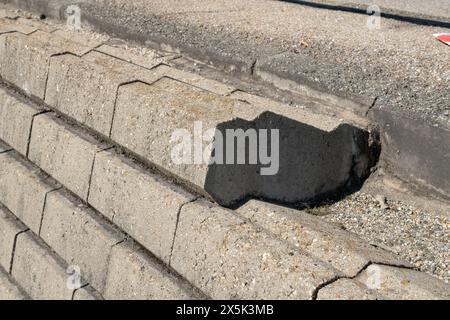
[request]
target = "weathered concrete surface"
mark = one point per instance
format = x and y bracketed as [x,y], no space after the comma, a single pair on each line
[9,290]
[24,60]
[23,189]
[414,151]
[228,258]
[11,25]
[343,250]
[79,236]
[132,275]
[10,227]
[86,88]
[16,118]
[40,273]
[347,289]
[140,203]
[312,162]
[65,153]
[399,283]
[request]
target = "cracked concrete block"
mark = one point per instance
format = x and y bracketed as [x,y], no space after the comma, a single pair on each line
[403,284]
[132,275]
[24,60]
[228,258]
[314,158]
[15,121]
[87,293]
[9,290]
[342,249]
[86,88]
[8,25]
[23,189]
[347,289]
[79,236]
[38,271]
[143,205]
[10,227]
[63,152]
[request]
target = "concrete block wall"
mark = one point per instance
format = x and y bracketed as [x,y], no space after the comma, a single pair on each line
[91,208]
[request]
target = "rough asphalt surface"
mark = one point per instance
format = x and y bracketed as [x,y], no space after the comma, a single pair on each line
[401,63]
[420,237]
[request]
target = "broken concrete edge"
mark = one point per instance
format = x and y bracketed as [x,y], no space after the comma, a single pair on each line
[414,151]
[389,13]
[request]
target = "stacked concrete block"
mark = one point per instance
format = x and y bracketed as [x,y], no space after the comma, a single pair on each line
[132,275]
[39,271]
[79,236]
[64,153]
[16,119]
[10,228]
[139,203]
[23,189]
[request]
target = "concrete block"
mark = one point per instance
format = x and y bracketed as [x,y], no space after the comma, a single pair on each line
[10,227]
[143,205]
[86,88]
[312,161]
[16,119]
[38,271]
[228,258]
[24,60]
[9,290]
[132,275]
[403,284]
[343,250]
[63,152]
[23,189]
[347,289]
[79,235]
[87,293]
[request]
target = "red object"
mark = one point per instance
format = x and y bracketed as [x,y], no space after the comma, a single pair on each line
[443,37]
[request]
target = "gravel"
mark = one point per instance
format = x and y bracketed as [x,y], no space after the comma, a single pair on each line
[420,237]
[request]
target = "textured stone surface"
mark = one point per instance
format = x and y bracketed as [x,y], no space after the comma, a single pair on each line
[9,289]
[132,275]
[9,228]
[405,284]
[228,258]
[347,289]
[344,250]
[140,203]
[79,236]
[86,88]
[15,121]
[67,155]
[41,274]
[23,189]
[24,60]
[4,147]
[9,25]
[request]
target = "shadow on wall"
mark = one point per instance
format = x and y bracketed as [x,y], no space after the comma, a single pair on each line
[312,163]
